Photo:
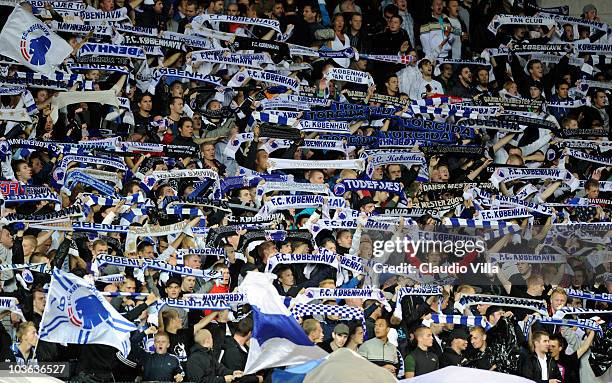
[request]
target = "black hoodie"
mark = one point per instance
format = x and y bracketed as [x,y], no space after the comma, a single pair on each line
[202,367]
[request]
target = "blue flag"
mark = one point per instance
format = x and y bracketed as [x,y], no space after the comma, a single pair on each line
[278,339]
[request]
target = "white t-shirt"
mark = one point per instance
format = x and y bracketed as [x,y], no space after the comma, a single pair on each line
[543,367]
[418,89]
[337,45]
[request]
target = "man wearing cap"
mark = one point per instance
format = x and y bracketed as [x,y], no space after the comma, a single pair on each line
[453,355]
[339,338]
[589,12]
[535,91]
[505,339]
[173,290]
[366,205]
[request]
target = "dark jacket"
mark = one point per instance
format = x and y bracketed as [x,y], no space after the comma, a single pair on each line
[234,356]
[504,340]
[202,367]
[531,368]
[184,141]
[361,42]
[6,355]
[219,335]
[480,359]
[292,292]
[387,43]
[451,358]
[461,91]
[97,360]
[155,366]
[413,309]
[523,80]
[421,362]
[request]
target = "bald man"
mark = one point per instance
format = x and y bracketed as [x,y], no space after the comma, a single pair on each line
[202,367]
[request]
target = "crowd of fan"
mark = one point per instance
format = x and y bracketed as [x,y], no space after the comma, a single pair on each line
[212,346]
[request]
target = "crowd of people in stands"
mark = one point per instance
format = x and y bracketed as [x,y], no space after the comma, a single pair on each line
[227,143]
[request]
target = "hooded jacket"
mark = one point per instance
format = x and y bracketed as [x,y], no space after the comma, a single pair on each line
[203,368]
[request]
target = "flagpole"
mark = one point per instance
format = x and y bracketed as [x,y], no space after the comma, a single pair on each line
[45,311]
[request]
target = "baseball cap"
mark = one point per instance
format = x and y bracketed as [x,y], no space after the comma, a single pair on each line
[536,84]
[458,334]
[384,277]
[492,310]
[588,8]
[172,280]
[341,329]
[364,201]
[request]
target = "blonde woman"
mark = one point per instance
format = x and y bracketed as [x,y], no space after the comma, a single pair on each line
[27,339]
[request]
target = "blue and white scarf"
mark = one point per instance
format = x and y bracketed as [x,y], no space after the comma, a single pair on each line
[293,187]
[349,75]
[378,158]
[303,201]
[193,304]
[431,290]
[267,77]
[323,126]
[347,312]
[325,258]
[587,324]
[465,320]
[466,301]
[509,174]
[10,304]
[226,57]
[526,258]
[95,49]
[356,184]
[333,224]
[603,297]
[228,298]
[41,267]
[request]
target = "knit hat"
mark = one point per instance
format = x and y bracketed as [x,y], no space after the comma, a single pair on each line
[341,329]
[588,8]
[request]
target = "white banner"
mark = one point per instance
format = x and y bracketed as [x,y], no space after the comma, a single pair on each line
[31,42]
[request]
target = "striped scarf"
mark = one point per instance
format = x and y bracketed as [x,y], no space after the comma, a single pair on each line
[465,320]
